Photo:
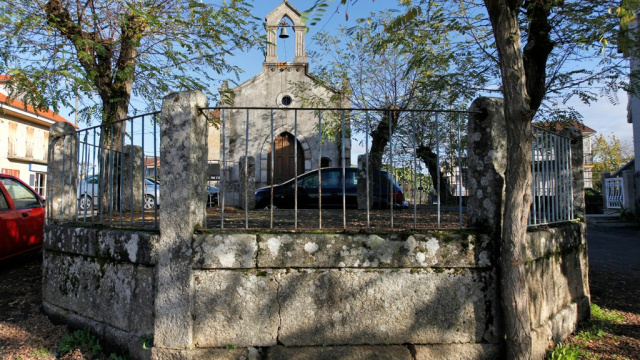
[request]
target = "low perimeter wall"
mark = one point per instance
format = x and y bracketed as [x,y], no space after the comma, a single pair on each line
[313,296]
[276,295]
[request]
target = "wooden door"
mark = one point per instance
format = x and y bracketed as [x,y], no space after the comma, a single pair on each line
[284,159]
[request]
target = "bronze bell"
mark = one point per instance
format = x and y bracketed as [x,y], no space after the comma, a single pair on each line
[283,33]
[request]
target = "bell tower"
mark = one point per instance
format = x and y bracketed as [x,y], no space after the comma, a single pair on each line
[274,23]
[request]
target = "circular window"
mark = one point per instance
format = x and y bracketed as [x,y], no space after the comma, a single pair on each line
[286,100]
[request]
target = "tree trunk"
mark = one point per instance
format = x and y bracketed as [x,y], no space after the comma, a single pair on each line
[381,135]
[518,115]
[430,159]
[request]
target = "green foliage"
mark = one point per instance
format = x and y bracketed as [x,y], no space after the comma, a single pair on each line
[80,339]
[43,352]
[605,316]
[564,352]
[104,51]
[609,154]
[146,341]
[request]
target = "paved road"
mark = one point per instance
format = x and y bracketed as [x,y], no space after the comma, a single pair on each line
[614,249]
[614,267]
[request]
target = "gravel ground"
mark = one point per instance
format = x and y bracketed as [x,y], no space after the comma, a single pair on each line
[25,333]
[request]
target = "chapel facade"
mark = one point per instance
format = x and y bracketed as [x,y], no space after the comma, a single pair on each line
[295,133]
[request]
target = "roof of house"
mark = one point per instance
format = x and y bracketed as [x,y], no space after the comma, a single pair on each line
[19,105]
[560,125]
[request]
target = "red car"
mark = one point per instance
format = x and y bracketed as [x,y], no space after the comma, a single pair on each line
[21,217]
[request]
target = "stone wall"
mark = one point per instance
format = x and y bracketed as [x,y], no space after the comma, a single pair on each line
[318,295]
[557,276]
[277,295]
[102,280]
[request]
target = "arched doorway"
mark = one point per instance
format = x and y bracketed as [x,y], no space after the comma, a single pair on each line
[284,159]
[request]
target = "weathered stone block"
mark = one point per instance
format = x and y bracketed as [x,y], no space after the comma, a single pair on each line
[458,352]
[62,173]
[235,307]
[132,178]
[230,251]
[392,250]
[120,295]
[393,352]
[355,306]
[205,354]
[487,163]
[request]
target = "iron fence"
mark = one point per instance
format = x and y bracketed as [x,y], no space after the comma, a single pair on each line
[117,170]
[552,181]
[425,155]
[415,176]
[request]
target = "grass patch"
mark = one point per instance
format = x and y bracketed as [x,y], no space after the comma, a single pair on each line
[88,345]
[596,329]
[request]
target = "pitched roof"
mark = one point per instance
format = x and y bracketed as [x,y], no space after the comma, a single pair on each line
[560,125]
[47,114]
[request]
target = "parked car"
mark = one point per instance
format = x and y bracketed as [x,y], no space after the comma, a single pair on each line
[308,190]
[88,193]
[212,196]
[21,217]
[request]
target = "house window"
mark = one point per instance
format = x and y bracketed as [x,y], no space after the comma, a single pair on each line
[37,181]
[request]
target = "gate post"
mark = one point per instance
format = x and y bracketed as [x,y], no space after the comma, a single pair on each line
[248,184]
[487,152]
[62,173]
[183,130]
[132,168]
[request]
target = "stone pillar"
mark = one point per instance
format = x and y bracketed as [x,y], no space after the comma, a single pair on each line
[183,151]
[487,152]
[248,182]
[132,181]
[629,191]
[362,182]
[577,170]
[62,173]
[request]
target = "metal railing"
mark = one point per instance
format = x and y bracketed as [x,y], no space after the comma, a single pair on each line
[552,181]
[114,186]
[614,192]
[424,154]
[327,143]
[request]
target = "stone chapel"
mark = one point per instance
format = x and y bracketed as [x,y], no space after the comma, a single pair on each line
[273,88]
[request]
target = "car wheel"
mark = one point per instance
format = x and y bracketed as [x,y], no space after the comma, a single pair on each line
[86,203]
[149,202]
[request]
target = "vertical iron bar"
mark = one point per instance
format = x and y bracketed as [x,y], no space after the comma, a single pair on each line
[93,197]
[366,142]
[295,165]
[246,172]
[438,163]
[223,175]
[144,182]
[86,161]
[415,170]
[391,187]
[155,168]
[459,171]
[120,188]
[320,169]
[64,151]
[344,182]
[273,155]
[111,174]
[557,180]
[80,161]
[131,174]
